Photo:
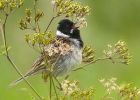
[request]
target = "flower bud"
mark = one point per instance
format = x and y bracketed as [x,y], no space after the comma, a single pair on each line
[28,12]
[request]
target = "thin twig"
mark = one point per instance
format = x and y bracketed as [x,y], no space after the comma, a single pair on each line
[53,17]
[12,63]
[53,9]
[4,35]
[91,62]
[10,60]
[50,86]
[35,13]
[119,98]
[33,48]
[55,89]
[103,98]
[50,22]
[36,22]
[1,31]
[60,87]
[39,29]
[32,27]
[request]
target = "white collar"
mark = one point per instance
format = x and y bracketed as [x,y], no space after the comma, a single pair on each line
[58,33]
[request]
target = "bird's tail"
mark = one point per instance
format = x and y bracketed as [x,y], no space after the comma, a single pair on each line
[16,81]
[38,67]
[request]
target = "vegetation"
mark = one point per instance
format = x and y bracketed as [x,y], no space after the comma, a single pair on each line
[39,38]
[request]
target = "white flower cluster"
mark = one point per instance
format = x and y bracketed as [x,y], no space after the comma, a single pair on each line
[68,87]
[110,84]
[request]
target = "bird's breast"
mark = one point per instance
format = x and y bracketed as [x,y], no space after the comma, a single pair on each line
[68,62]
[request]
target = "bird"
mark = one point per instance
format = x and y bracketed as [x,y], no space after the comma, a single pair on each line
[69,35]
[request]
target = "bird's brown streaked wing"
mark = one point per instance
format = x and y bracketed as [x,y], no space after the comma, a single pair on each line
[36,66]
[39,65]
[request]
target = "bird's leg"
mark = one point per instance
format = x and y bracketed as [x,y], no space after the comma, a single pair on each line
[60,86]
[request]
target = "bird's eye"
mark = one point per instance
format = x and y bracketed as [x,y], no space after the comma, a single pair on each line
[71,31]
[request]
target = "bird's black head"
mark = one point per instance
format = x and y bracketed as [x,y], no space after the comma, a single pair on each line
[66,27]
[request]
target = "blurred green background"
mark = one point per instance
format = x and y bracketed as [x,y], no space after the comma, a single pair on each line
[109,21]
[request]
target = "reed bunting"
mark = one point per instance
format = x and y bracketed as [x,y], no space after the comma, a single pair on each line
[68,56]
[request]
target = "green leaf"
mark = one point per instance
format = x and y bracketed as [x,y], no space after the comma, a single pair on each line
[3,52]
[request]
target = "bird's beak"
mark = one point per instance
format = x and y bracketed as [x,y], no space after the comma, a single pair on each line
[75,27]
[75,23]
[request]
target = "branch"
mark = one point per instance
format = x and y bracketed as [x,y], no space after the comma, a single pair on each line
[55,89]
[3,34]
[8,57]
[12,63]
[36,22]
[51,22]
[92,62]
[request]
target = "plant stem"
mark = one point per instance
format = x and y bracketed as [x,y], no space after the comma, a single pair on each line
[10,60]
[119,98]
[103,98]
[92,62]
[36,22]
[50,86]
[60,87]
[55,89]
[4,35]
[51,22]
